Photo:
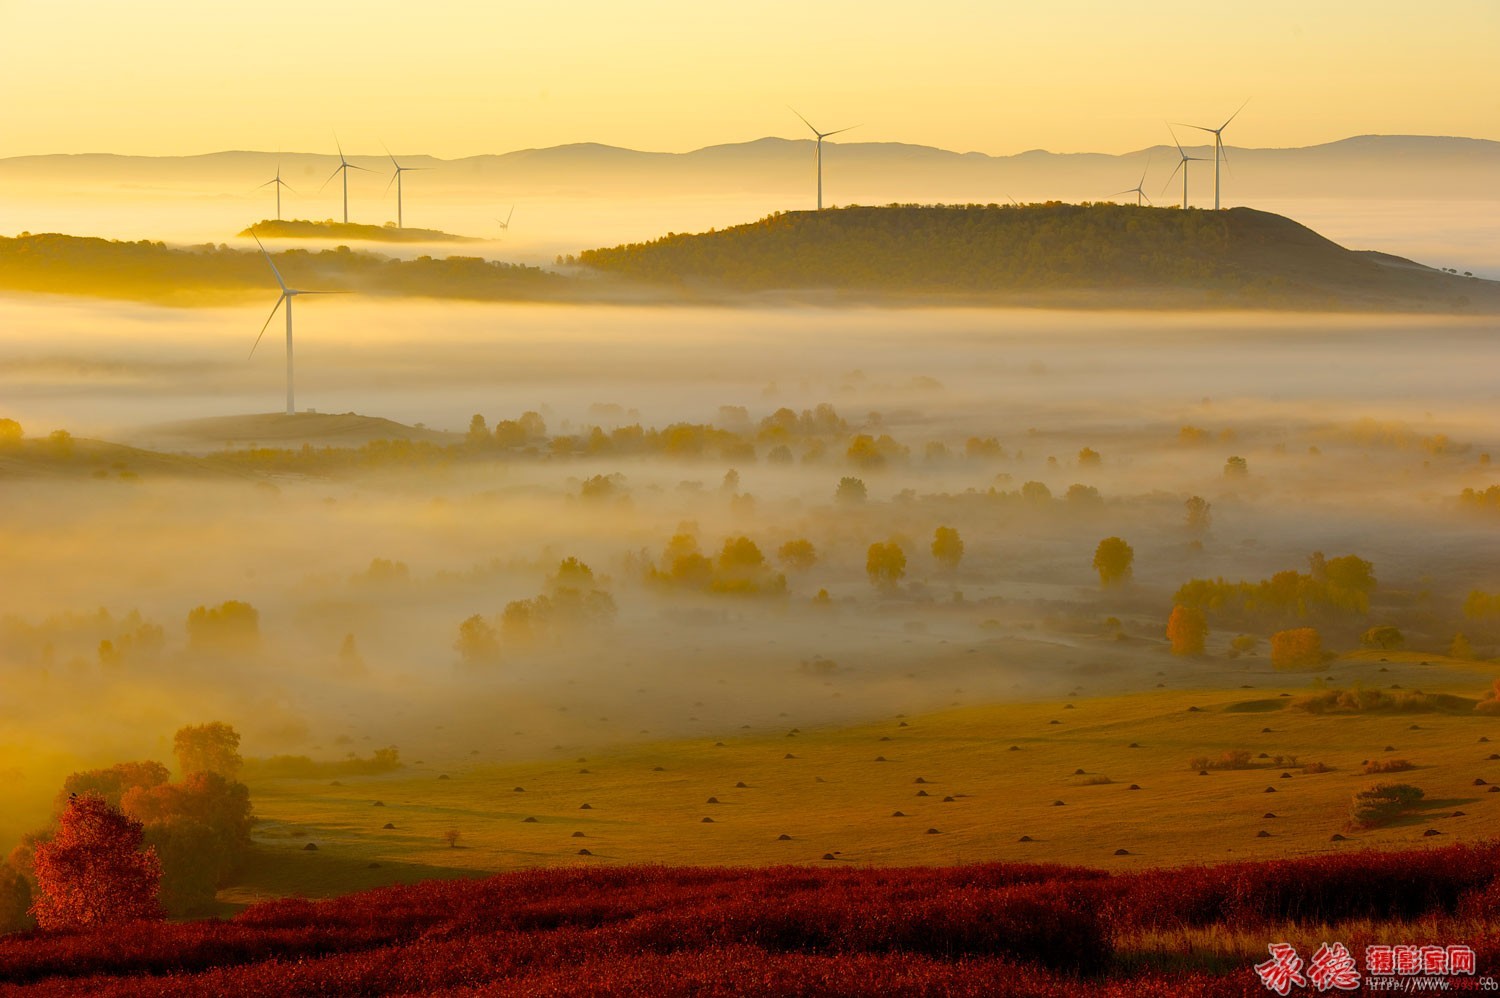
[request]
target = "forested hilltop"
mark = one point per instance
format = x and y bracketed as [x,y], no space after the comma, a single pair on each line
[1240,255]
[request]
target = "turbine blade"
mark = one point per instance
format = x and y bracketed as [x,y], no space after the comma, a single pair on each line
[269,261]
[804,120]
[1233,116]
[1172,177]
[324,292]
[351,166]
[335,173]
[392,181]
[826,134]
[266,325]
[1146,196]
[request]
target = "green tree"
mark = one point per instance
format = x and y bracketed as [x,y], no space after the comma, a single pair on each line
[850,491]
[797,555]
[208,748]
[1113,560]
[947,547]
[478,643]
[1199,515]
[1385,637]
[885,564]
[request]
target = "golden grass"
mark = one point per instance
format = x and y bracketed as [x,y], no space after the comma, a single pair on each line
[835,797]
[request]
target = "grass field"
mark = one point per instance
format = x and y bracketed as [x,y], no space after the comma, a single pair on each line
[981,777]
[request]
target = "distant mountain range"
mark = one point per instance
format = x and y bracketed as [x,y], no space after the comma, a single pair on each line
[1386,167]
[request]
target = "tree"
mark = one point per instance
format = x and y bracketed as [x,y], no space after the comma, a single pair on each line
[231,626]
[1036,493]
[15,900]
[208,748]
[479,434]
[1113,559]
[1199,514]
[1088,457]
[477,643]
[1187,628]
[850,491]
[885,564]
[112,783]
[1460,648]
[1298,648]
[94,871]
[1236,467]
[947,547]
[451,836]
[10,433]
[1385,638]
[200,829]
[797,555]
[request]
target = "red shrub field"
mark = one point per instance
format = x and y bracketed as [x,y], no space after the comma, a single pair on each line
[834,930]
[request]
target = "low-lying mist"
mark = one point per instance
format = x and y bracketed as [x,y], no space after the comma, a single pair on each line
[366,576]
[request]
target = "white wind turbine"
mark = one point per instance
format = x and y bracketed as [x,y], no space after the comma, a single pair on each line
[396,179]
[505,225]
[1219,152]
[344,167]
[279,183]
[287,294]
[1136,190]
[1182,164]
[821,136]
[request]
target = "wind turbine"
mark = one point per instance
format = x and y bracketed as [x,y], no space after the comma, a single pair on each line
[344,167]
[506,224]
[276,180]
[1182,164]
[396,179]
[821,136]
[287,294]
[1218,134]
[1136,190]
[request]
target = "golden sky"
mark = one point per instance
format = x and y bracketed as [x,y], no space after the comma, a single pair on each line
[450,78]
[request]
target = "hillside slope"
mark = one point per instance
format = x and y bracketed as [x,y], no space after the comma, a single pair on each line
[1239,256]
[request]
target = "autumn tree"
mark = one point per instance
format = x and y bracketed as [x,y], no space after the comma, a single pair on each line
[1298,648]
[1113,560]
[208,748]
[200,829]
[94,872]
[111,784]
[797,555]
[1088,457]
[1187,628]
[1460,648]
[10,433]
[885,564]
[947,547]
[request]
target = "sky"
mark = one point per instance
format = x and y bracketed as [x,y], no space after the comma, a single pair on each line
[451,79]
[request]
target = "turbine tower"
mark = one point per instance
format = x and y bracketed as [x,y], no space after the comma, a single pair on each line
[1182,164]
[344,167]
[279,183]
[1136,190]
[821,136]
[287,294]
[396,179]
[1219,152]
[505,225]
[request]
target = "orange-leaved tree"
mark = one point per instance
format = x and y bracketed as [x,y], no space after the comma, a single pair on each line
[94,871]
[1186,629]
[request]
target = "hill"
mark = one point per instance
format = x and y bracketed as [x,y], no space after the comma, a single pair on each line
[156,272]
[1237,257]
[1377,167]
[300,228]
[278,429]
[828,930]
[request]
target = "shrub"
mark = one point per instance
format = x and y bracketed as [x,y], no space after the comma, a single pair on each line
[1298,648]
[1382,803]
[1376,766]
